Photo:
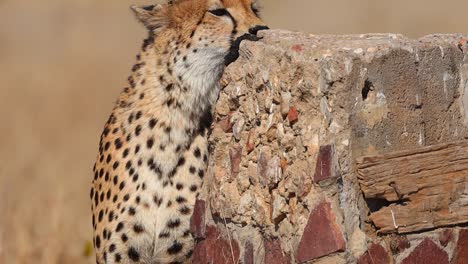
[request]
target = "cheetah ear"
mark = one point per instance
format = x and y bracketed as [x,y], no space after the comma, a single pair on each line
[153,17]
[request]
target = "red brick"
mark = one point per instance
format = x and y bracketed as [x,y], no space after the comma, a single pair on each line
[461,252]
[324,168]
[445,237]
[322,236]
[274,253]
[427,252]
[197,222]
[216,248]
[293,115]
[248,253]
[376,254]
[235,154]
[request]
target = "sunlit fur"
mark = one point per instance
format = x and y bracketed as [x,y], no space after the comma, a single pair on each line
[153,151]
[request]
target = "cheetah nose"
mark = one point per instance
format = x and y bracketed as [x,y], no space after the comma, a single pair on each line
[254,30]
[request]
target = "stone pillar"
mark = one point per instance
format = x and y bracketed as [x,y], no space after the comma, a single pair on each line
[295,112]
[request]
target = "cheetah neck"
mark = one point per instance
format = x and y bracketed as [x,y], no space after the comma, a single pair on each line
[178,89]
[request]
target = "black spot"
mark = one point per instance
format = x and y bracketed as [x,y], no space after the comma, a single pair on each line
[118,143]
[133,254]
[193,188]
[131,211]
[192,169]
[164,235]
[132,171]
[179,186]
[98,241]
[116,165]
[169,87]
[205,121]
[147,42]
[201,173]
[122,185]
[157,201]
[109,158]
[197,153]
[186,233]
[101,214]
[138,199]
[111,216]
[126,197]
[137,149]
[138,228]
[185,210]
[135,177]
[181,162]
[112,248]
[137,130]
[91,194]
[118,258]
[129,137]
[119,227]
[142,95]
[130,118]
[174,223]
[106,146]
[101,172]
[180,199]
[116,179]
[175,248]
[124,238]
[152,123]
[128,165]
[115,198]
[106,131]
[149,143]
[125,153]
[108,195]
[131,81]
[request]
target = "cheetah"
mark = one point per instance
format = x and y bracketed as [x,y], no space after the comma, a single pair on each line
[153,152]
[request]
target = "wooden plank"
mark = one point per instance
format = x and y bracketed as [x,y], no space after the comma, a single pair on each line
[426,187]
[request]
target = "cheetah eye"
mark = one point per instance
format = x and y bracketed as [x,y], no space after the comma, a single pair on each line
[219,12]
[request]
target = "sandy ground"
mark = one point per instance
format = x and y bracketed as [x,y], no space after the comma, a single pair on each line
[62,64]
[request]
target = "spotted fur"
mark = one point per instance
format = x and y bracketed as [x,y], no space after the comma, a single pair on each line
[153,151]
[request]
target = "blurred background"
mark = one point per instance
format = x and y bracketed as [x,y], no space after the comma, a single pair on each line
[62,65]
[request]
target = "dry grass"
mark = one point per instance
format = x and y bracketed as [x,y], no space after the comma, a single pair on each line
[62,65]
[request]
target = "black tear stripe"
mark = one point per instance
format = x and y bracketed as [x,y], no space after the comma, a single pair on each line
[235,43]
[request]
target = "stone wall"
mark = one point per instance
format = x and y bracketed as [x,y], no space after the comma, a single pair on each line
[295,113]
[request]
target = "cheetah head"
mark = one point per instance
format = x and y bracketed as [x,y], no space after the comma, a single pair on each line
[207,32]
